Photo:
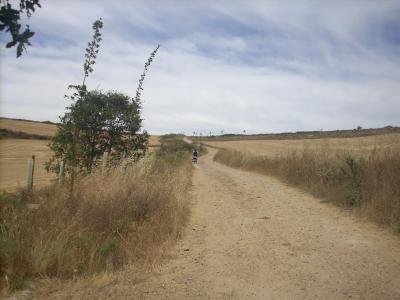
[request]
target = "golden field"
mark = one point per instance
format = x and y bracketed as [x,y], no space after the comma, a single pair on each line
[272,148]
[14,153]
[30,127]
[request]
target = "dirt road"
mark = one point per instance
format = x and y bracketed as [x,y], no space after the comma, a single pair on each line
[252,237]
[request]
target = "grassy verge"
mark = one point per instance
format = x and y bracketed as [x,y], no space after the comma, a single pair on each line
[127,216]
[370,182]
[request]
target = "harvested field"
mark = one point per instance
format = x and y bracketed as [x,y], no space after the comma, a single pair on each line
[271,148]
[14,154]
[30,127]
[44,129]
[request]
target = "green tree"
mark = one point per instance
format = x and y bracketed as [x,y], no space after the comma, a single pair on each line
[66,144]
[98,122]
[122,125]
[10,18]
[106,122]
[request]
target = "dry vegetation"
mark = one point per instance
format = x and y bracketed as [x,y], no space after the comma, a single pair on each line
[14,153]
[154,141]
[127,216]
[362,173]
[301,135]
[357,146]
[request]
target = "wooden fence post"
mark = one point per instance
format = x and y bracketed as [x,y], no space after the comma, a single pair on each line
[61,172]
[104,162]
[30,172]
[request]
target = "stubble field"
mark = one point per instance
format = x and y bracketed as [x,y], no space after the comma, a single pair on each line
[30,127]
[357,146]
[14,153]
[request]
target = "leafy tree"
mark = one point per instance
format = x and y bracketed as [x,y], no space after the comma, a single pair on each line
[10,18]
[106,122]
[121,127]
[66,143]
[98,122]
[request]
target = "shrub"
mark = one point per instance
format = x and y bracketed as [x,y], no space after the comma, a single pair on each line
[174,144]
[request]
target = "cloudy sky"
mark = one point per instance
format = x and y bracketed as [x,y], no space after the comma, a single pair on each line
[259,66]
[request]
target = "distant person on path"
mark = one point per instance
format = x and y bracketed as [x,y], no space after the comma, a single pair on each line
[194,156]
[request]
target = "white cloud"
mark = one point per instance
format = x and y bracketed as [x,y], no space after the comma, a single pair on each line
[282,68]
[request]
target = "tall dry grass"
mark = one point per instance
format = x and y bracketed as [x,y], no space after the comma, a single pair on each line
[125,217]
[370,182]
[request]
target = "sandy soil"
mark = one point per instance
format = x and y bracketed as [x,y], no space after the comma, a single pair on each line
[252,237]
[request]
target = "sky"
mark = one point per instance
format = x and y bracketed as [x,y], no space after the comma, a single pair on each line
[259,66]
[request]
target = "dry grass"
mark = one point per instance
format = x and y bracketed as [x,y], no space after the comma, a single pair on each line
[154,140]
[369,182]
[14,154]
[125,217]
[30,127]
[357,146]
